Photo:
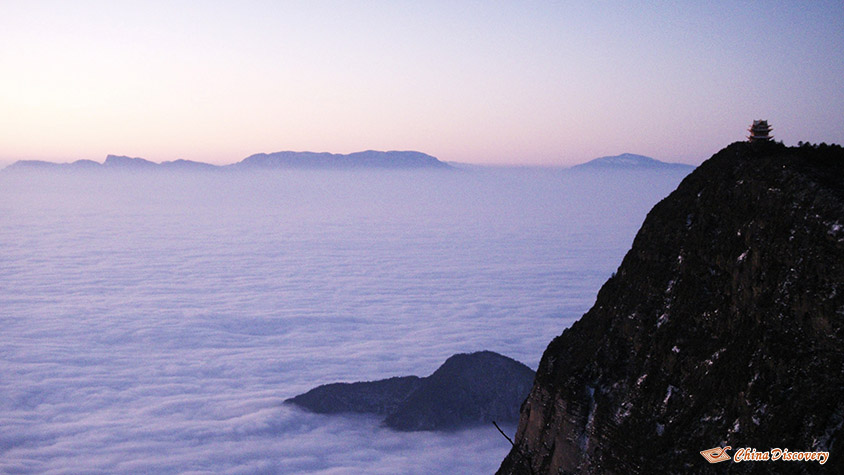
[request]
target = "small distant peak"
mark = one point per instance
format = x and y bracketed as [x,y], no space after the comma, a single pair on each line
[185,165]
[31,165]
[119,161]
[90,164]
[759,131]
[629,161]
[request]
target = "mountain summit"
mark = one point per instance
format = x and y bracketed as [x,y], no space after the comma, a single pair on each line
[724,326]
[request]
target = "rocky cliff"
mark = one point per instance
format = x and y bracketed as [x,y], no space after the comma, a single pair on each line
[722,326]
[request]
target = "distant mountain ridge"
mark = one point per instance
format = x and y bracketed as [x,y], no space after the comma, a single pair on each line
[630,161]
[367,159]
[263,161]
[323,160]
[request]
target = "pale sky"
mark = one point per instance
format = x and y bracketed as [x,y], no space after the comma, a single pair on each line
[488,82]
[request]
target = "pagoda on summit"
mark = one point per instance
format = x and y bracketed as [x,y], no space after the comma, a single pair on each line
[759,131]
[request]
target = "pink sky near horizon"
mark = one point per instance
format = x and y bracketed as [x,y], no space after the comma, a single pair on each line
[540,83]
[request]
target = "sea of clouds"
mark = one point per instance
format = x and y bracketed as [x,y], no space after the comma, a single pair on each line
[156,323]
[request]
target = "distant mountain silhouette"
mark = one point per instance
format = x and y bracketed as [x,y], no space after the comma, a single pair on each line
[630,161]
[467,390]
[260,161]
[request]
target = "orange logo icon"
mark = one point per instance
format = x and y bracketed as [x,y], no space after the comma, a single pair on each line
[716,455]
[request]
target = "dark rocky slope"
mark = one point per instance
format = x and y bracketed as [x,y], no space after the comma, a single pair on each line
[722,326]
[468,389]
[381,397]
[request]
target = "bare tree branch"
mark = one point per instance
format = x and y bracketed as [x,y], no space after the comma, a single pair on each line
[518,449]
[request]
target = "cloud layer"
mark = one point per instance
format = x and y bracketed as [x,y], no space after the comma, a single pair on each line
[156,324]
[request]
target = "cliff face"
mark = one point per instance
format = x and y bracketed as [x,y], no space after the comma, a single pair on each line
[722,326]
